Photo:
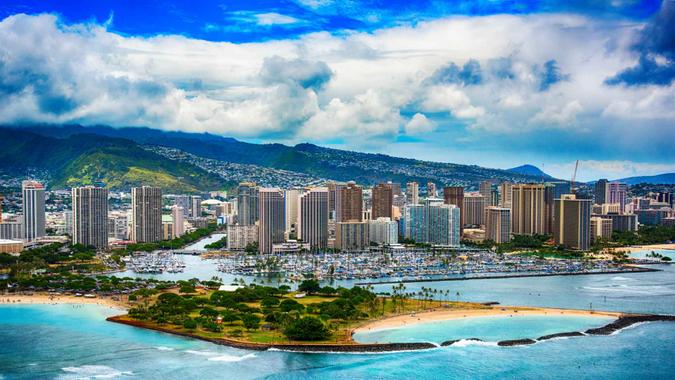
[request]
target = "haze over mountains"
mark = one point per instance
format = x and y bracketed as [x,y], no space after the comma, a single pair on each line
[184,162]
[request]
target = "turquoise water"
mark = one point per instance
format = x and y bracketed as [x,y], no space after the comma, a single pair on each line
[643,254]
[489,329]
[62,341]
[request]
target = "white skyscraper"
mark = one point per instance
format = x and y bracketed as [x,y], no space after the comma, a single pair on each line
[178,219]
[33,209]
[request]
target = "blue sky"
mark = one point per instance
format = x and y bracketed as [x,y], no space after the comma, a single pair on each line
[493,83]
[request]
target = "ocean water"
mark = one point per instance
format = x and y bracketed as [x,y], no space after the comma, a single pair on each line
[75,342]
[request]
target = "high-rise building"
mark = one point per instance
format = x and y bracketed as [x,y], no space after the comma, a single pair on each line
[352,235]
[383,200]
[395,188]
[195,206]
[272,218]
[616,193]
[349,203]
[412,192]
[625,222]
[146,214]
[312,225]
[183,201]
[505,194]
[498,224]
[454,195]
[239,237]
[601,228]
[291,199]
[33,209]
[1,201]
[332,187]
[11,230]
[560,188]
[489,191]
[383,231]
[601,191]
[90,216]
[531,209]
[433,223]
[473,209]
[247,203]
[431,189]
[178,221]
[573,222]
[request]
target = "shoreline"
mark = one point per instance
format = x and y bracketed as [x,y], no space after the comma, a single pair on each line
[60,299]
[639,248]
[497,311]
[628,269]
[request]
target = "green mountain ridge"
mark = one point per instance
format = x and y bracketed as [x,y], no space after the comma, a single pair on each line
[322,162]
[87,159]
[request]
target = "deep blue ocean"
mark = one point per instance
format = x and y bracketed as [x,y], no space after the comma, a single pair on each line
[75,342]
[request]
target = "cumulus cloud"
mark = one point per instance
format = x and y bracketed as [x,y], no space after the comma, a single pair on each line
[486,76]
[450,99]
[419,124]
[561,116]
[313,75]
[469,74]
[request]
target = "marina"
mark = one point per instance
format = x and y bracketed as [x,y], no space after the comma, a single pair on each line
[405,265]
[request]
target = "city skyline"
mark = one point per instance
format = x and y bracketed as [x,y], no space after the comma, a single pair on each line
[470,93]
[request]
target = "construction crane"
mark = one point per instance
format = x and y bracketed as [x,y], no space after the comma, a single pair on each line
[574,177]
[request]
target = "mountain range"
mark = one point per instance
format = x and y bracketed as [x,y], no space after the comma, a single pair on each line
[666,179]
[187,162]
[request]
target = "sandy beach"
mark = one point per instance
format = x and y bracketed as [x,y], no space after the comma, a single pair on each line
[638,248]
[44,298]
[443,315]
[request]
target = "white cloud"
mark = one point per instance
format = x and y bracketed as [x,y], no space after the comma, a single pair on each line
[325,87]
[419,124]
[565,115]
[450,99]
[273,18]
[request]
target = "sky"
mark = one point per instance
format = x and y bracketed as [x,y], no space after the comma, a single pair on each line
[492,83]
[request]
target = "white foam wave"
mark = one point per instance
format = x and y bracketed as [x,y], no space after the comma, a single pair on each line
[634,325]
[163,348]
[355,352]
[93,372]
[201,353]
[231,358]
[619,278]
[470,342]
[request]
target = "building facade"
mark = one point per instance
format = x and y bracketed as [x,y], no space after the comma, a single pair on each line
[352,236]
[272,218]
[33,219]
[573,222]
[349,203]
[90,216]
[247,204]
[498,224]
[383,200]
[383,231]
[146,214]
[312,222]
[531,209]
